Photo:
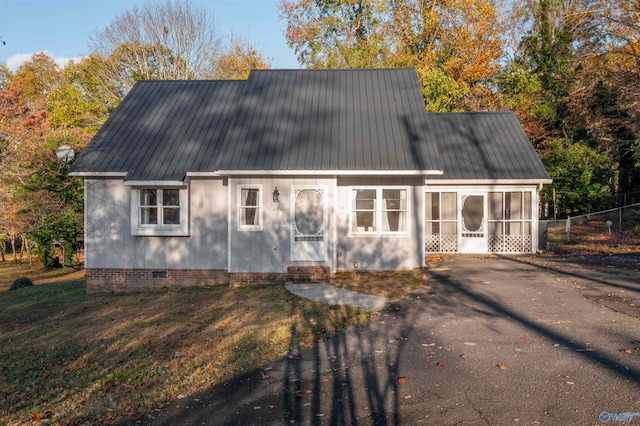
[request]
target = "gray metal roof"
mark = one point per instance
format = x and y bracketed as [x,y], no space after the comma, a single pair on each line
[302,120]
[483,145]
[368,119]
[163,129]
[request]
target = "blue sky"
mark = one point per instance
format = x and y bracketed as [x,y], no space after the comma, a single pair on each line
[61,28]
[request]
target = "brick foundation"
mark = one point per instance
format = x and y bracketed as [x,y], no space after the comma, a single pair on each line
[124,280]
[308,273]
[256,278]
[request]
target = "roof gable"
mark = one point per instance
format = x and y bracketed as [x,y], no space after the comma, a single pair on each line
[483,145]
[367,119]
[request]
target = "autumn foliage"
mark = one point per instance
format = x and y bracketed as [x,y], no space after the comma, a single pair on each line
[43,106]
[569,70]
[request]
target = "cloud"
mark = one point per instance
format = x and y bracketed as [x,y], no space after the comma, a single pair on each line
[14,61]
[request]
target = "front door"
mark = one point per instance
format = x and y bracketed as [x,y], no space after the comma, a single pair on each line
[309,223]
[473,224]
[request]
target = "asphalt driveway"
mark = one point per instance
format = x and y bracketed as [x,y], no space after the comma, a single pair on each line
[493,340]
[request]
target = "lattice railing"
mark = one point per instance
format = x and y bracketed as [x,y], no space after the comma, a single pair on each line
[437,243]
[509,243]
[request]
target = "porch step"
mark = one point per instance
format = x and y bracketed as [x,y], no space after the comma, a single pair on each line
[308,273]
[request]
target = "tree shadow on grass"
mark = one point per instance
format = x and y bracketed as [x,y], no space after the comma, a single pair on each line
[355,376]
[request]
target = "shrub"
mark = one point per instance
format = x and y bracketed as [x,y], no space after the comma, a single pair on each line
[20,283]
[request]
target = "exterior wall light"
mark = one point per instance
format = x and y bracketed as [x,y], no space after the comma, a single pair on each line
[276,195]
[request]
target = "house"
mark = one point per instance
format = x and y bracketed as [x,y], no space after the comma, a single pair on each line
[296,174]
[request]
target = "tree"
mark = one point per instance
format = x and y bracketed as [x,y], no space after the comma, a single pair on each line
[607,117]
[454,45]
[85,96]
[521,91]
[238,58]
[11,223]
[170,40]
[549,39]
[40,200]
[581,176]
[37,77]
[5,75]
[336,33]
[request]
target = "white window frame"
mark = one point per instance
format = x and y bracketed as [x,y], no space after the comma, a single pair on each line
[378,210]
[160,229]
[240,207]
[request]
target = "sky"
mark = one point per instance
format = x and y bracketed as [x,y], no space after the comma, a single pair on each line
[61,28]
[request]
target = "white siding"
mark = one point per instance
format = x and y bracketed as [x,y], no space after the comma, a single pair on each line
[109,243]
[380,252]
[269,250]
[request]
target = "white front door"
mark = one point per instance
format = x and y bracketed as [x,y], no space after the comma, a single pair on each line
[309,223]
[472,231]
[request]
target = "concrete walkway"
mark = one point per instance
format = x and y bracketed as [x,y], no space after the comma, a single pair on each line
[330,295]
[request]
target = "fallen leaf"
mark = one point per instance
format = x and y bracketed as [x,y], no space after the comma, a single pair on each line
[402,379]
[463,356]
[626,351]
[441,364]
[560,291]
[36,417]
[502,367]
[523,338]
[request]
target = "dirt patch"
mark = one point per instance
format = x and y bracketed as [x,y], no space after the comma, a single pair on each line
[390,284]
[592,238]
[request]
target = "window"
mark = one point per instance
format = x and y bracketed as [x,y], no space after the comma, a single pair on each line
[510,222]
[441,222]
[249,207]
[159,211]
[379,210]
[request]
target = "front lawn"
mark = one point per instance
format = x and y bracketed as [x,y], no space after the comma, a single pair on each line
[71,358]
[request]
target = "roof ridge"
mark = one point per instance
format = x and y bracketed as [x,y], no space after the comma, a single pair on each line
[468,112]
[333,69]
[190,81]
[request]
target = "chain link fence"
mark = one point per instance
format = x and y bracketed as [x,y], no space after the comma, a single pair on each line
[609,226]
